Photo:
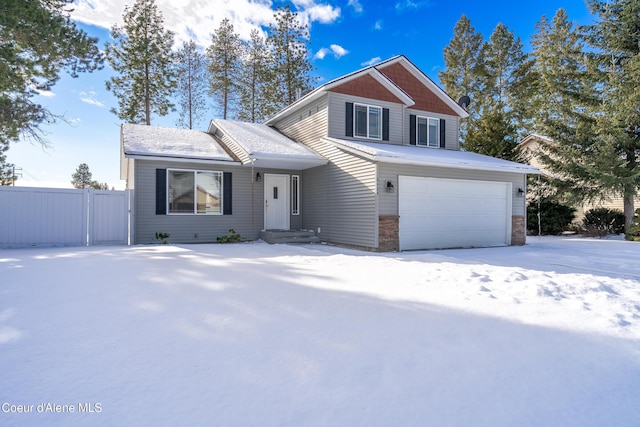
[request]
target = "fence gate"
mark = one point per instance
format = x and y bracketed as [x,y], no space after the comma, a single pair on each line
[61,216]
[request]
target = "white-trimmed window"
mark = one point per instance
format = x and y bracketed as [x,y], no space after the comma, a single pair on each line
[295,195]
[367,121]
[428,132]
[194,192]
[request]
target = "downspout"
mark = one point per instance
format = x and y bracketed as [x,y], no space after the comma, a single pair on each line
[253,181]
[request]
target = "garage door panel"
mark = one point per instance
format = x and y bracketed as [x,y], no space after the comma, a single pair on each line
[448,213]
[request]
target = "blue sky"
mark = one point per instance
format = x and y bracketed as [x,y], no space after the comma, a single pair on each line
[345,36]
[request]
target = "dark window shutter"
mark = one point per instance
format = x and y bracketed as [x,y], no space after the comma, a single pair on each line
[442,133]
[348,119]
[385,124]
[412,129]
[161,191]
[226,193]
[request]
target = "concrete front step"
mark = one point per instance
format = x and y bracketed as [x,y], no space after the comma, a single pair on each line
[289,236]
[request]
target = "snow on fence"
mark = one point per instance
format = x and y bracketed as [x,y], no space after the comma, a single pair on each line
[60,216]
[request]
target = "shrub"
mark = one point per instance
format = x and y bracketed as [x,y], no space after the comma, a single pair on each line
[162,237]
[604,221]
[233,237]
[554,217]
[633,231]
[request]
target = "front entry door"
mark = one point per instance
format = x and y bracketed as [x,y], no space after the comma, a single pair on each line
[276,202]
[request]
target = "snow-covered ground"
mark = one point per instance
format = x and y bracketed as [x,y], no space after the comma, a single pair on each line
[251,334]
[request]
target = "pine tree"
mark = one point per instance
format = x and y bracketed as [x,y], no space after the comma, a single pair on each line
[225,53]
[500,103]
[289,42]
[7,171]
[192,84]
[38,41]
[565,105]
[615,42]
[142,58]
[81,178]
[508,75]
[256,79]
[465,69]
[493,133]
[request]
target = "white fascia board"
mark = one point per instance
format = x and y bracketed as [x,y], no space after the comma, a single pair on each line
[199,160]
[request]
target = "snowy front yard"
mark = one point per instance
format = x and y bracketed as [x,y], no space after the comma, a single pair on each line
[257,335]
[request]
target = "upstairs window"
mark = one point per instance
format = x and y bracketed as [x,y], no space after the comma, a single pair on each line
[367,121]
[428,132]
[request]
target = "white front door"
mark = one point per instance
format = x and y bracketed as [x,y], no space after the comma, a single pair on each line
[276,202]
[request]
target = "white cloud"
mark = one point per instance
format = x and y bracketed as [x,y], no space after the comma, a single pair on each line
[371,61]
[321,53]
[91,98]
[355,4]
[337,51]
[378,25]
[412,4]
[46,93]
[197,19]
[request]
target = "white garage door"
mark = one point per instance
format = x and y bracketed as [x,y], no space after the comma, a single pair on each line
[453,213]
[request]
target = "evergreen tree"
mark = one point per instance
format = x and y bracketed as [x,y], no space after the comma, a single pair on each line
[38,41]
[465,69]
[615,42]
[493,133]
[566,106]
[508,76]
[225,55]
[289,42]
[143,61]
[192,84]
[256,79]
[500,103]
[7,172]
[81,178]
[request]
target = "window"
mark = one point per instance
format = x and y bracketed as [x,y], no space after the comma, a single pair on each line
[428,132]
[368,121]
[194,192]
[295,195]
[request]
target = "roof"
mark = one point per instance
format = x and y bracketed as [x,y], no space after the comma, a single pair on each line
[141,141]
[422,156]
[264,146]
[373,70]
[534,137]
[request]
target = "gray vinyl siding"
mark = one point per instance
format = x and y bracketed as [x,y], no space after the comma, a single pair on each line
[307,125]
[247,217]
[390,172]
[340,199]
[240,153]
[452,135]
[337,102]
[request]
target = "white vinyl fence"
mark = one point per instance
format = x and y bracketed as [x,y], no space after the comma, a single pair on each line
[60,216]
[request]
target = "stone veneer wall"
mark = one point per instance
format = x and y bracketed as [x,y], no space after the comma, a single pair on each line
[388,233]
[518,231]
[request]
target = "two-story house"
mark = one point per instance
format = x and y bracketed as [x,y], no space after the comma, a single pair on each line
[369,160]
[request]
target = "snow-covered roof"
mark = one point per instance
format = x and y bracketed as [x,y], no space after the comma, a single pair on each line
[140,141]
[422,156]
[265,146]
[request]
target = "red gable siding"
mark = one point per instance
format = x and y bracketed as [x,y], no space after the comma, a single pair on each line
[424,98]
[366,87]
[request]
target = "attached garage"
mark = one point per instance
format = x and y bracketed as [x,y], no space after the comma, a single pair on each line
[437,213]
